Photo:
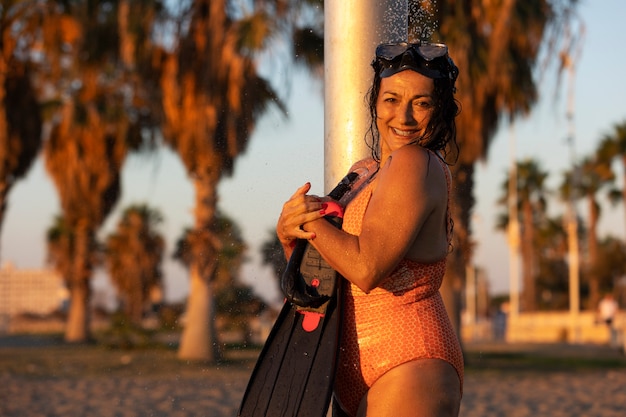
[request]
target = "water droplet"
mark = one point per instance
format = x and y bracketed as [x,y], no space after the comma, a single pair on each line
[422,20]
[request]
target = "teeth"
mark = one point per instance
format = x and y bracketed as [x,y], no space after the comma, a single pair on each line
[403,132]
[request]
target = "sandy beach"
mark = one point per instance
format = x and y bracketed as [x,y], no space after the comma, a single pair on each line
[51,381]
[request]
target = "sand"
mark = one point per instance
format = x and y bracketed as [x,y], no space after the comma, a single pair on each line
[138,385]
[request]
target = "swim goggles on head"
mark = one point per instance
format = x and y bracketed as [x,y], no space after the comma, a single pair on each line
[429,59]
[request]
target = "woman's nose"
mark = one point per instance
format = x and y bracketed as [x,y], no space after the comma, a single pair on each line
[407,116]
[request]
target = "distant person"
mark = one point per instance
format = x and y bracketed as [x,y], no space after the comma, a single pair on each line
[399,355]
[607,310]
[499,321]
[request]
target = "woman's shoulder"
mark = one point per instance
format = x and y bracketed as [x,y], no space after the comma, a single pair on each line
[414,151]
[412,158]
[415,164]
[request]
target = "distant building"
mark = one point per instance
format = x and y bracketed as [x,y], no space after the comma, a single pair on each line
[30,291]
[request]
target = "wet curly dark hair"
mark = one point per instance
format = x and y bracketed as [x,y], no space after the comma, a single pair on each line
[439,135]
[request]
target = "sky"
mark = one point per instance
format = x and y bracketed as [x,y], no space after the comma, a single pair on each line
[286,152]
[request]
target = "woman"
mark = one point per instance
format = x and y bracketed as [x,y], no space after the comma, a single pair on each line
[399,354]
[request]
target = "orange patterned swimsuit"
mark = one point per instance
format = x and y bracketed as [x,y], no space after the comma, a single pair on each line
[403,319]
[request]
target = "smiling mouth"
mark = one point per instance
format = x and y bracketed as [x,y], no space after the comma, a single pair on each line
[404,133]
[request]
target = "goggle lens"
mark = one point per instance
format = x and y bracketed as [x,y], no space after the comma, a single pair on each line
[428,51]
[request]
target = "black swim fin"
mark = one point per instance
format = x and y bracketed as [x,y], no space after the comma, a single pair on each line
[295,371]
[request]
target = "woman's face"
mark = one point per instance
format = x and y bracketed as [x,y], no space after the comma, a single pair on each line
[404,107]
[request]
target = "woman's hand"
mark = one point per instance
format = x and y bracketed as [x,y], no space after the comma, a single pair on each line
[298,210]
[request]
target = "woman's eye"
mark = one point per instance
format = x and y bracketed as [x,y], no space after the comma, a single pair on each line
[423,104]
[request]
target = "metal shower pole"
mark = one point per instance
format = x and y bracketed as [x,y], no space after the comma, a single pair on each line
[352,29]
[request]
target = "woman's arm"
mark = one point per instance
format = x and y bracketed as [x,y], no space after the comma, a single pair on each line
[408,190]
[288,227]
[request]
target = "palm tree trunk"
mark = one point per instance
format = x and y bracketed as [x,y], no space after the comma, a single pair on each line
[78,319]
[199,338]
[462,202]
[594,282]
[528,256]
[77,326]
[135,309]
[5,186]
[499,38]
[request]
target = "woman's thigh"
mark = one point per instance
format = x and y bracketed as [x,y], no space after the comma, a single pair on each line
[424,388]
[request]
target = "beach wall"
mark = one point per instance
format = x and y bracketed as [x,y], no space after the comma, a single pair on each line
[545,327]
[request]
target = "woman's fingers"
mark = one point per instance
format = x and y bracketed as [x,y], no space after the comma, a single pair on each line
[301,191]
[301,203]
[298,210]
[290,224]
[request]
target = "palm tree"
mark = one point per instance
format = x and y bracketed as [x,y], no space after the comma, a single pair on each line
[595,175]
[231,249]
[273,254]
[99,118]
[612,267]
[613,146]
[531,191]
[228,257]
[532,205]
[496,46]
[211,97]
[133,256]
[59,241]
[20,118]
[235,302]
[552,283]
